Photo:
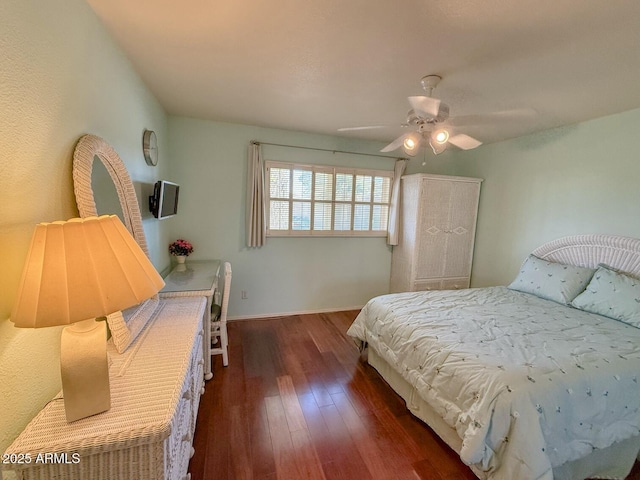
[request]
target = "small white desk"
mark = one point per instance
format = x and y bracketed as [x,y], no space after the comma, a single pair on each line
[193,279]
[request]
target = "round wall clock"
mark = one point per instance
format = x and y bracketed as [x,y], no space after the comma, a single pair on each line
[150,147]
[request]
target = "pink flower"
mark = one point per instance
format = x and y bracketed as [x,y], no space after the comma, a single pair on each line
[180,247]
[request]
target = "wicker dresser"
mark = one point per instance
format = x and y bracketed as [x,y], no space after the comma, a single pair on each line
[437,232]
[147,434]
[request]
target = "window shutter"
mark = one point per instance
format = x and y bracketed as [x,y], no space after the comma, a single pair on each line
[322,200]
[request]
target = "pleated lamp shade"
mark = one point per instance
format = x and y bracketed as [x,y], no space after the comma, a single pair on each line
[81,269]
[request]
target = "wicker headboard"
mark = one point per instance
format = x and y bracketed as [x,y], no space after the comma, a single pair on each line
[620,253]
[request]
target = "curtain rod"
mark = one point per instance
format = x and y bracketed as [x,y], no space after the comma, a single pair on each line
[256,142]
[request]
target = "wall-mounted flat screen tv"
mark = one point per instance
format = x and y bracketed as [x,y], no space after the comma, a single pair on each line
[164,201]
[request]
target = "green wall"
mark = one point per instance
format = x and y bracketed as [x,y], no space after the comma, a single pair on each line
[62,76]
[573,180]
[287,274]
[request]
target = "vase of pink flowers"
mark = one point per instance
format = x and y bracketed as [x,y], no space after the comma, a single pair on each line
[180,249]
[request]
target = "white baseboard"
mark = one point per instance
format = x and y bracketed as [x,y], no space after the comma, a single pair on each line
[288,314]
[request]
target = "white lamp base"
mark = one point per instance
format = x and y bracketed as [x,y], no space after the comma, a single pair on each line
[85,370]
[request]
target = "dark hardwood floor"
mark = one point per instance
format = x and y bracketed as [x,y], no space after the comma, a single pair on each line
[298,402]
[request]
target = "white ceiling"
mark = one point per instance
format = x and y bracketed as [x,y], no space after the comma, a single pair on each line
[317,65]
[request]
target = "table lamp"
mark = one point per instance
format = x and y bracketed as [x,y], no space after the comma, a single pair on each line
[75,271]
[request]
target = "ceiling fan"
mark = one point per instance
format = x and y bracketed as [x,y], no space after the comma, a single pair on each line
[430,118]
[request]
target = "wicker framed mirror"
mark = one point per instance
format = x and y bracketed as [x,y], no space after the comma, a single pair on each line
[91,149]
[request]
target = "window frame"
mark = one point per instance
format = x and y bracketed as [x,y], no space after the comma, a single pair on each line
[333,170]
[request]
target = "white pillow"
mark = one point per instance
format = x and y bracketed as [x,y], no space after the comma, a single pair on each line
[125,326]
[552,281]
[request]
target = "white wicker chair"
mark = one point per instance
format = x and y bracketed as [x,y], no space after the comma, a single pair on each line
[219,338]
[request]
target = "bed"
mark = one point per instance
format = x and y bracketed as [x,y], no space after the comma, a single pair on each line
[530,381]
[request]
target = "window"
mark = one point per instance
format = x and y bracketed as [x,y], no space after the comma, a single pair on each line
[332,201]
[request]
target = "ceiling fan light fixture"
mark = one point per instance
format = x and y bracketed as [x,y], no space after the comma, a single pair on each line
[411,144]
[437,148]
[440,136]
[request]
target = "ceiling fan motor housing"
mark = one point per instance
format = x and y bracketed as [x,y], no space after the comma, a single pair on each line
[414,119]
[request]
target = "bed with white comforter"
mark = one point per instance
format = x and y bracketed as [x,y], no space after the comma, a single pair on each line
[527,383]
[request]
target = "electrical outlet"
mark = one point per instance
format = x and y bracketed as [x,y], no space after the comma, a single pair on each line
[245,295]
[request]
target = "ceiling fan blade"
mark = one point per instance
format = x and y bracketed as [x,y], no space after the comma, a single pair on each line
[495,117]
[425,106]
[465,142]
[397,143]
[369,127]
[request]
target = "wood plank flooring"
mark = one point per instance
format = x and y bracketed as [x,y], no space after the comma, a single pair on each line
[297,402]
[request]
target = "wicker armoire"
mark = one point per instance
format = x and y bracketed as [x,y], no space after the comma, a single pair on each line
[437,231]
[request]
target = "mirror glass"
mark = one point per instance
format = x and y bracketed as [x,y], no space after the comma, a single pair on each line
[104,191]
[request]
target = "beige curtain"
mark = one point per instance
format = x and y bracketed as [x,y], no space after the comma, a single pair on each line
[255,214]
[394,207]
